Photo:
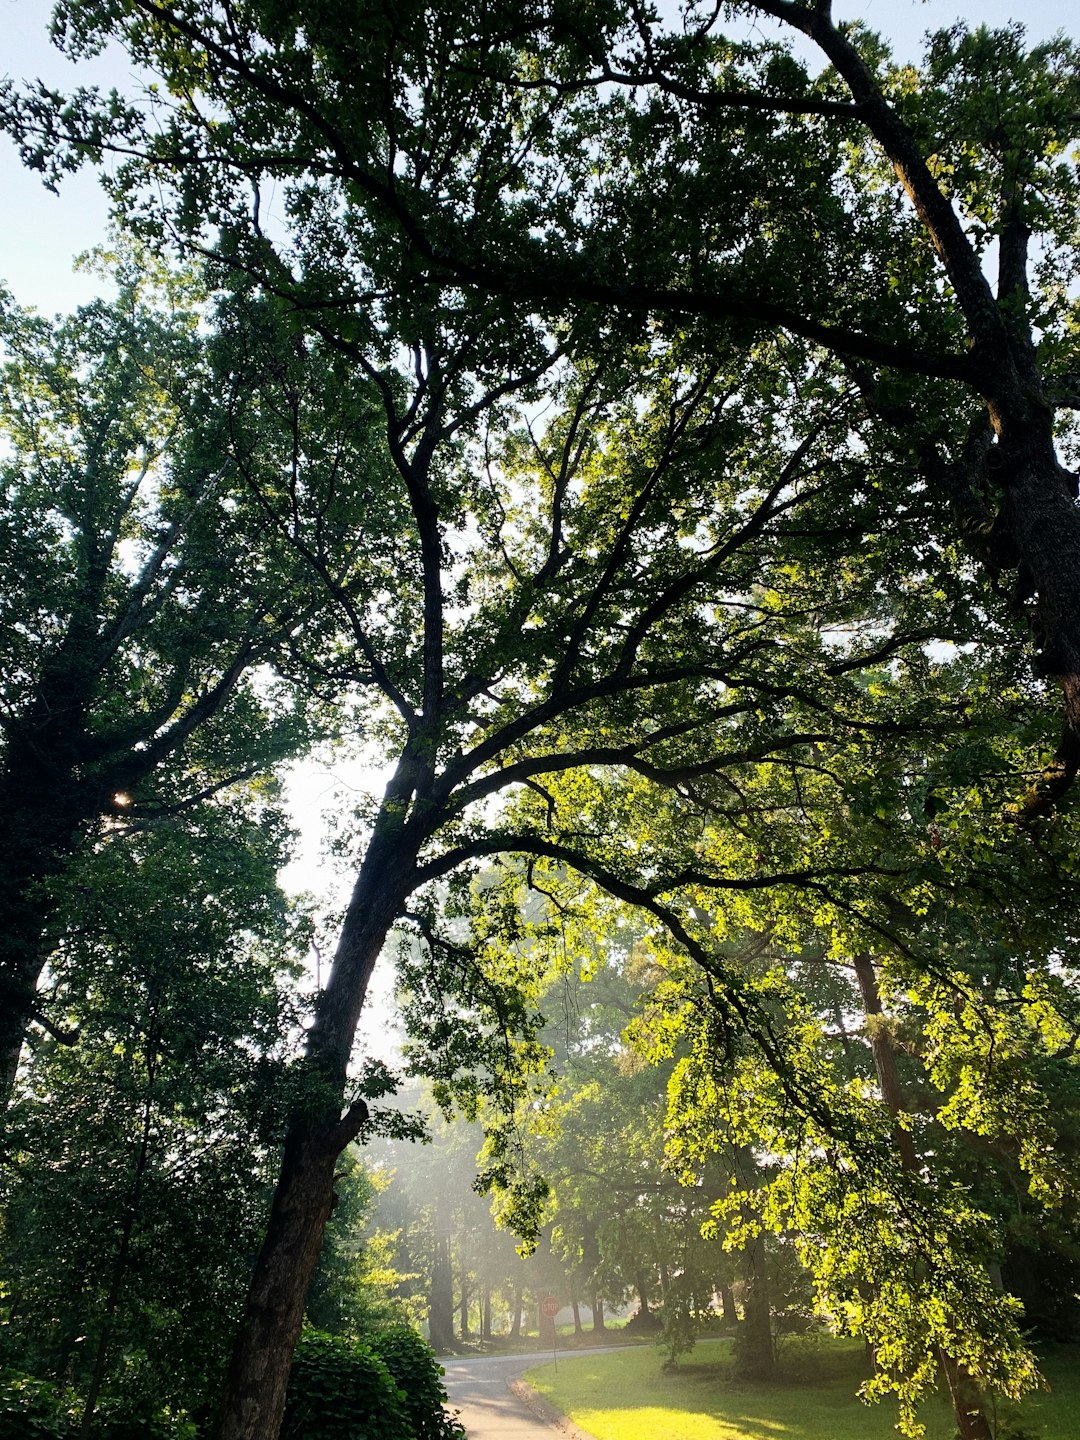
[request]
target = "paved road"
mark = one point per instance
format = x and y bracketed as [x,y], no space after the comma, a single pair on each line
[478,1386]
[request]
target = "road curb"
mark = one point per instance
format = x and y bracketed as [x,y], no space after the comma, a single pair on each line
[543,1411]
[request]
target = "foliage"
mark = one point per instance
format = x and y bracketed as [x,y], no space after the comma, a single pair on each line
[134,1190]
[339,1389]
[30,1407]
[710,441]
[358,1288]
[386,1388]
[412,1364]
[142,594]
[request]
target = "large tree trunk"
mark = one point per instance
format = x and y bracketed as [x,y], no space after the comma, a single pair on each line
[1039,522]
[971,1419]
[254,1397]
[729,1314]
[39,829]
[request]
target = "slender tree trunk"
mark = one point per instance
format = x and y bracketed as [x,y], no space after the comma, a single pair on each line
[599,1328]
[465,1331]
[884,1052]
[120,1264]
[441,1306]
[727,1305]
[485,1313]
[756,1361]
[641,1284]
[754,1345]
[578,1328]
[971,1419]
[515,1324]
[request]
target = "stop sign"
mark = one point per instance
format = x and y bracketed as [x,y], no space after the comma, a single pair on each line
[549,1306]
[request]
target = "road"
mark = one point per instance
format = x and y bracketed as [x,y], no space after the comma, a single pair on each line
[479,1386]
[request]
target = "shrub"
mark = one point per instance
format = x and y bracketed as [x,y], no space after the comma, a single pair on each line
[122,1422]
[341,1390]
[32,1409]
[412,1363]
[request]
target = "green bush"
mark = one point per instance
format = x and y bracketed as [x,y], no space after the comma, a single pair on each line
[417,1373]
[32,1409]
[341,1390]
[122,1423]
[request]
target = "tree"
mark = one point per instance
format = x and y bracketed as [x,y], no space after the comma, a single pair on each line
[955,920]
[553,191]
[142,594]
[134,1175]
[620,1221]
[641,593]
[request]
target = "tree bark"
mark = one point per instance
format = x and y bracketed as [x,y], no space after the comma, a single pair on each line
[756,1360]
[884,1053]
[599,1328]
[254,1398]
[971,1420]
[40,820]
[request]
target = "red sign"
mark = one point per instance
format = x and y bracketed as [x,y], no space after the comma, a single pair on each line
[550,1307]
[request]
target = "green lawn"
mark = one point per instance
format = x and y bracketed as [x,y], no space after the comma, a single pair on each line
[814,1399]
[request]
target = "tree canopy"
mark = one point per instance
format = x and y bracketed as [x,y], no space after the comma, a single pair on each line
[722,501]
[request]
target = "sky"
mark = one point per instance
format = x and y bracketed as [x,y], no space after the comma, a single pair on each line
[42,233]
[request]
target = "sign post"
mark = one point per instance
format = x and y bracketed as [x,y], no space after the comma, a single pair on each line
[549,1307]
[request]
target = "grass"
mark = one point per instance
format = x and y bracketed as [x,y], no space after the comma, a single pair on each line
[813,1398]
